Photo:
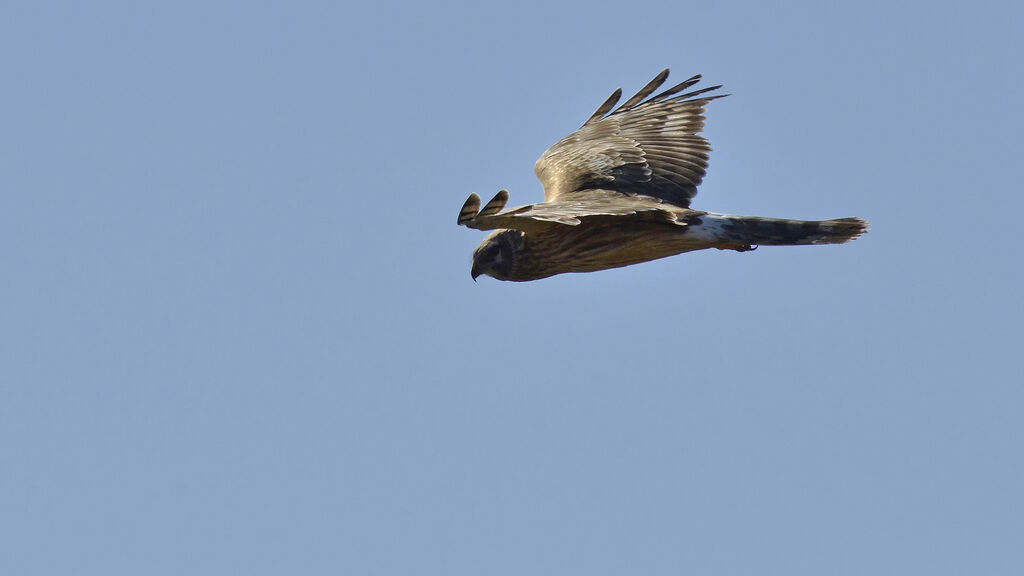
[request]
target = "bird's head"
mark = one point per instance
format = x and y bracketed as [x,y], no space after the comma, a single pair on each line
[498,255]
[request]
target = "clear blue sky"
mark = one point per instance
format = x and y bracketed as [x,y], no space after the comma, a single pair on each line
[238,333]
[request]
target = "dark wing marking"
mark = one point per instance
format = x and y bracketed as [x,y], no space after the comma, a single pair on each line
[647,146]
[566,212]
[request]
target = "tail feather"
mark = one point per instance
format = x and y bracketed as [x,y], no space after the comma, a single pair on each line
[754,230]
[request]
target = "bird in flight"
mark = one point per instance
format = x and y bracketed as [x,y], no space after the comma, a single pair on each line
[617,192]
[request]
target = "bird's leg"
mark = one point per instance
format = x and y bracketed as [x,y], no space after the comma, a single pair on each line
[736,247]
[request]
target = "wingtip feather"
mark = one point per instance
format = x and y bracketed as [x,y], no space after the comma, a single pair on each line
[469,209]
[495,204]
[608,104]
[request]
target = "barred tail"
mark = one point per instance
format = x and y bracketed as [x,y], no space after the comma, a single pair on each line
[754,230]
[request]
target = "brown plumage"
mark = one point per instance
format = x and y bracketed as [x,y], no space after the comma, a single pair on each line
[617,192]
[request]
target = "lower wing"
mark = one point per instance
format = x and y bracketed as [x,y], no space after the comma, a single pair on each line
[565,212]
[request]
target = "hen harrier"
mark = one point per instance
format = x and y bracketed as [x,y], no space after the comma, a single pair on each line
[617,192]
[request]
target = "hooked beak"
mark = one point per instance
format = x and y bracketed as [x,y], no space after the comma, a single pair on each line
[475,272]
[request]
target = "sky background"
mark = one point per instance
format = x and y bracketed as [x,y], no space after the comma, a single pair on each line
[238,333]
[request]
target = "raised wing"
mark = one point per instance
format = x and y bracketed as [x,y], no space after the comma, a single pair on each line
[569,212]
[647,146]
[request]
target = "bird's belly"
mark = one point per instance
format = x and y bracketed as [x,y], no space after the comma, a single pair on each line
[600,248]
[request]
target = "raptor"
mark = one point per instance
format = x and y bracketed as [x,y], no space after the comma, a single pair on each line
[617,192]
